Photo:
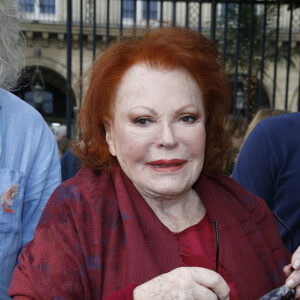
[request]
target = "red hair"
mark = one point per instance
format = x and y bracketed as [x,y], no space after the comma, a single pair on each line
[165,48]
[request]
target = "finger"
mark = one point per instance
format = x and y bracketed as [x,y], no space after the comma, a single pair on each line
[293,281]
[296,259]
[296,263]
[212,281]
[287,270]
[203,293]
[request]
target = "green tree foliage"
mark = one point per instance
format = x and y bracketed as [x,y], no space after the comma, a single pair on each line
[260,17]
[253,20]
[291,3]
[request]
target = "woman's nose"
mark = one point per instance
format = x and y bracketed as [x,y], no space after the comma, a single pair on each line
[167,137]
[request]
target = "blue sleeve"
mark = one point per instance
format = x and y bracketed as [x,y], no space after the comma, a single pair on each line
[29,164]
[44,177]
[255,165]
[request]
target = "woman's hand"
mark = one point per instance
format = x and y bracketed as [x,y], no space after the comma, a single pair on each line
[293,280]
[191,283]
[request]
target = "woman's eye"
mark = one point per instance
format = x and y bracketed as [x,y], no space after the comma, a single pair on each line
[188,119]
[142,121]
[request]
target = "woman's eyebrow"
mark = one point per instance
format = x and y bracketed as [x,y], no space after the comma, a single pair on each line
[188,106]
[143,107]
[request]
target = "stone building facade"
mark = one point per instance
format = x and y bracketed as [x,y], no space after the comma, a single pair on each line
[45,29]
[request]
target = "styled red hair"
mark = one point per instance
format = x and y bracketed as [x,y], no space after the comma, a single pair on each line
[168,49]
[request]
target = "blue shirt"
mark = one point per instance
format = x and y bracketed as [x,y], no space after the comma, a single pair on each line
[29,160]
[269,167]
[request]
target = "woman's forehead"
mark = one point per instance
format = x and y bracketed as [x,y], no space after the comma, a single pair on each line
[144,85]
[140,75]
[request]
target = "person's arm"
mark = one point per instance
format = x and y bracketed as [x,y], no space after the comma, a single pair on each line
[44,177]
[255,166]
[275,252]
[290,265]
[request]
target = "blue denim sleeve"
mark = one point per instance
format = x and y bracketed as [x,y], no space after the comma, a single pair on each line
[29,173]
[44,177]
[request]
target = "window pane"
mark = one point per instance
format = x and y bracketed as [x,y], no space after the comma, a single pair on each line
[27,5]
[47,6]
[47,102]
[153,10]
[128,9]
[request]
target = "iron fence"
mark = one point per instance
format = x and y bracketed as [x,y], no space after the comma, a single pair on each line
[258,40]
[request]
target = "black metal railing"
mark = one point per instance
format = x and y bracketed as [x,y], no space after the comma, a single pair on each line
[258,40]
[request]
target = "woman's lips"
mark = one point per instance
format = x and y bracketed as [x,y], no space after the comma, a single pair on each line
[164,165]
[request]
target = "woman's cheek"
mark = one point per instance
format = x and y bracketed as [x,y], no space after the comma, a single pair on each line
[135,146]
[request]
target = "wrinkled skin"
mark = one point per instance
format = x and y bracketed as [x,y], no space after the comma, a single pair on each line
[185,283]
[197,283]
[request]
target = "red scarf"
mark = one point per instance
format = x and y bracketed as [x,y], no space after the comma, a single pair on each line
[98,235]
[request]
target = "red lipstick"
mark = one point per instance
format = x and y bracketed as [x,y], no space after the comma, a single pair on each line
[164,165]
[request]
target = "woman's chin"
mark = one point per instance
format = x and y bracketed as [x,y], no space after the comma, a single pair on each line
[164,190]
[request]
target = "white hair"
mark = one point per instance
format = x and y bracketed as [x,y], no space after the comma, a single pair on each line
[60,132]
[11,39]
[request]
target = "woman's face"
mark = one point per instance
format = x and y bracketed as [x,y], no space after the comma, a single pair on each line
[158,130]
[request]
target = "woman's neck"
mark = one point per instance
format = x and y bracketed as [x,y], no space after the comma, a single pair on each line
[177,213]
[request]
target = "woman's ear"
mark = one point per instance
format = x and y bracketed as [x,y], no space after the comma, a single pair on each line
[109,136]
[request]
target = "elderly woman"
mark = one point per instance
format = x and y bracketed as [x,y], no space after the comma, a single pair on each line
[145,217]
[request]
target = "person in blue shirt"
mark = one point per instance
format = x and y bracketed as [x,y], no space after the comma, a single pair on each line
[29,160]
[269,167]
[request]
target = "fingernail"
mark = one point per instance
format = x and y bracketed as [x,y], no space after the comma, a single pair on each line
[296,264]
[290,283]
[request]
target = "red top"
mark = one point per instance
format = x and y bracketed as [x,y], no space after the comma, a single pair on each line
[196,249]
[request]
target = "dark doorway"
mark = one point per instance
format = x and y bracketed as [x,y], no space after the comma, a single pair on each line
[53,106]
